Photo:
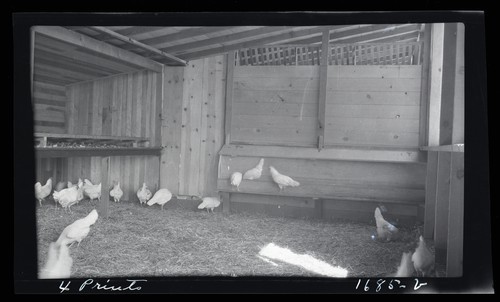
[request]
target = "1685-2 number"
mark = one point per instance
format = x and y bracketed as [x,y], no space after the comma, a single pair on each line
[392,284]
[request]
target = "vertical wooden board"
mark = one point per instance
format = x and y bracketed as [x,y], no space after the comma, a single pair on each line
[157,105]
[126,176]
[229,96]
[107,107]
[135,101]
[195,104]
[210,149]
[70,109]
[135,170]
[430,194]
[89,94]
[208,72]
[104,200]
[130,108]
[95,169]
[456,217]
[186,131]
[436,79]
[121,104]
[458,105]
[171,128]
[146,105]
[96,123]
[442,206]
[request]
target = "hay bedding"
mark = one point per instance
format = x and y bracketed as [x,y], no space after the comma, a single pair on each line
[144,241]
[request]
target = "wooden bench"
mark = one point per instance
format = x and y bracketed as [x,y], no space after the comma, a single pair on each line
[369,175]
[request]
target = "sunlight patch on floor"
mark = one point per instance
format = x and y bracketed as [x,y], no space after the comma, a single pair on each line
[274,252]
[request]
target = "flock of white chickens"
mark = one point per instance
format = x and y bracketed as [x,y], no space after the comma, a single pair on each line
[67,194]
[59,262]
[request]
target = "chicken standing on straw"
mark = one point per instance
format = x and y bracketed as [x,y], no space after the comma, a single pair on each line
[385,230]
[43,191]
[423,259]
[78,230]
[405,268]
[143,194]
[161,197]
[116,193]
[209,203]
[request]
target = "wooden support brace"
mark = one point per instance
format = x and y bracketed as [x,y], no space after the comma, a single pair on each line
[104,203]
[226,200]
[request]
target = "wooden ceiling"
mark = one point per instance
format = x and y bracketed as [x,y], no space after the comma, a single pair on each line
[66,55]
[189,43]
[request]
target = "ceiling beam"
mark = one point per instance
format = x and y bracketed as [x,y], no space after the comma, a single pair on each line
[360,31]
[379,37]
[253,43]
[96,46]
[227,38]
[183,34]
[138,44]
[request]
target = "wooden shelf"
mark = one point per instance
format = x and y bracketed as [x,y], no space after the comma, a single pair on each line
[43,139]
[48,152]
[398,155]
[445,148]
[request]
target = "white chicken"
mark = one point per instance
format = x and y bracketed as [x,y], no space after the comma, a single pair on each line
[385,230]
[161,197]
[423,259]
[92,191]
[59,262]
[282,180]
[254,173]
[209,203]
[143,194]
[69,196]
[405,268]
[78,230]
[43,191]
[116,193]
[236,180]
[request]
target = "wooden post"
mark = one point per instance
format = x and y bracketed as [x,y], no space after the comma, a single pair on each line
[435,84]
[323,81]
[229,95]
[226,200]
[430,194]
[32,62]
[424,92]
[104,203]
[456,217]
[442,206]
[458,104]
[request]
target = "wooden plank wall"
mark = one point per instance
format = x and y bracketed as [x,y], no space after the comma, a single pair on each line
[49,107]
[275,105]
[123,105]
[193,126]
[373,106]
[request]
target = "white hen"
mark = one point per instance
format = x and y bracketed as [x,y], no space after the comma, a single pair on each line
[59,262]
[69,196]
[385,230]
[256,172]
[43,191]
[236,180]
[405,268]
[116,193]
[78,230]
[161,197]
[143,194]
[423,259]
[92,191]
[209,203]
[282,180]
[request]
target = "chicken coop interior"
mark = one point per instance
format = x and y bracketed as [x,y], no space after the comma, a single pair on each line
[359,116]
